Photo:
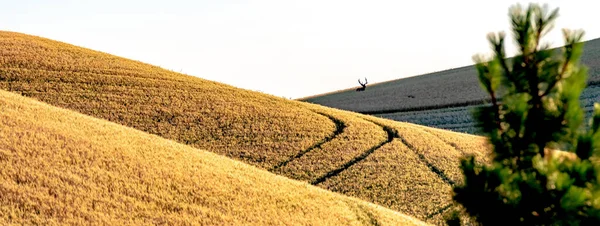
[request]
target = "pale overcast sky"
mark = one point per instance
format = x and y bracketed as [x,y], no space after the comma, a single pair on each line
[283,47]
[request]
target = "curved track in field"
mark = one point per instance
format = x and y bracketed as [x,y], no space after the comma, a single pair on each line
[449,181]
[432,167]
[391,134]
[339,129]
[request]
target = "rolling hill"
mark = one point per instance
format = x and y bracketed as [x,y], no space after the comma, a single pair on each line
[441,99]
[61,167]
[402,166]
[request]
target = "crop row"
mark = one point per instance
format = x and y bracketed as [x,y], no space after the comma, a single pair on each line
[460,119]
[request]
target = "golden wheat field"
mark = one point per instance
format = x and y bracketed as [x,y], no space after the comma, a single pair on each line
[60,167]
[401,166]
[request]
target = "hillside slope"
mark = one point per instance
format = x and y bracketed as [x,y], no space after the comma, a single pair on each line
[61,167]
[443,99]
[245,125]
[453,87]
[398,165]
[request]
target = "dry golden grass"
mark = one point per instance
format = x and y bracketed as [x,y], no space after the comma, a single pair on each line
[435,151]
[405,173]
[466,143]
[393,176]
[256,128]
[357,137]
[60,167]
[413,173]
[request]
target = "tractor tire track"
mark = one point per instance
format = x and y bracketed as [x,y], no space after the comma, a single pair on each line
[435,170]
[453,145]
[339,129]
[391,133]
[438,212]
[431,167]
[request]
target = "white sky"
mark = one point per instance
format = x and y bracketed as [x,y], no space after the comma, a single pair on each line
[283,47]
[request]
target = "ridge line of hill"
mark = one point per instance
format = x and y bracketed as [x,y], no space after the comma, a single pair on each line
[64,167]
[372,220]
[391,135]
[339,129]
[383,82]
[251,127]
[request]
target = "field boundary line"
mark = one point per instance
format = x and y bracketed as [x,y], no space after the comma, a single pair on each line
[426,108]
[339,129]
[391,134]
[470,103]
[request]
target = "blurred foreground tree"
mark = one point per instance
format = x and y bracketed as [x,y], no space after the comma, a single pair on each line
[545,168]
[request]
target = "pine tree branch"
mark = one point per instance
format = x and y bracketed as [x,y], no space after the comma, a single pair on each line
[560,76]
[499,49]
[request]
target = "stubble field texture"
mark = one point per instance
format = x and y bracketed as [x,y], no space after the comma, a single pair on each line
[61,167]
[401,166]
